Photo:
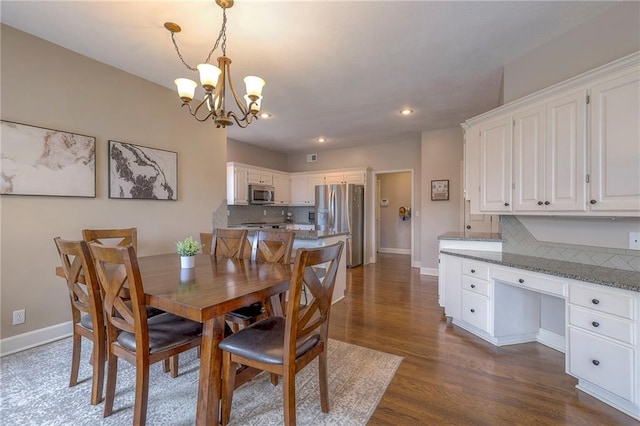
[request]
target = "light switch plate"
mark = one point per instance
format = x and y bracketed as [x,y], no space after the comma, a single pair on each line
[634,240]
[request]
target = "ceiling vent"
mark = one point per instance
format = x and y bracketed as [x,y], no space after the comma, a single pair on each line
[312,158]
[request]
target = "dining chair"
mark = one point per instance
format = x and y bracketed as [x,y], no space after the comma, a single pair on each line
[267,246]
[233,243]
[206,239]
[285,345]
[86,310]
[131,334]
[121,237]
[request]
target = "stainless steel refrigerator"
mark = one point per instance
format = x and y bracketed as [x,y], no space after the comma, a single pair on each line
[340,208]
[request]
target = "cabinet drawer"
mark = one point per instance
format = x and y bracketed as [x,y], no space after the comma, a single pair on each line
[475,269]
[534,282]
[602,324]
[475,310]
[602,300]
[602,362]
[475,285]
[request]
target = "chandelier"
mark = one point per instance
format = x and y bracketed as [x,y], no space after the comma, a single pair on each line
[214,81]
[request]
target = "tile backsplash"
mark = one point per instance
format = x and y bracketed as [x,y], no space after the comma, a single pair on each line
[269,214]
[520,241]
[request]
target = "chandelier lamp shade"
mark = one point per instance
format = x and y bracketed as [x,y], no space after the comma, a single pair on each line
[215,80]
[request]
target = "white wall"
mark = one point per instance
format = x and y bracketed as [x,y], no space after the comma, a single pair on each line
[611,35]
[441,159]
[48,86]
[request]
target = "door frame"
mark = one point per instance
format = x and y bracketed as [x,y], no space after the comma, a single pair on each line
[375,202]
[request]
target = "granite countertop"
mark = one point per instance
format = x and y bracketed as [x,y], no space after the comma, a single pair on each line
[619,278]
[300,234]
[472,236]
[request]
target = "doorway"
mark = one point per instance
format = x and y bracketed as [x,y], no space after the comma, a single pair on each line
[393,202]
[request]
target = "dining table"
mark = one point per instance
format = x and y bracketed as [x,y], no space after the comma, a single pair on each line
[205,293]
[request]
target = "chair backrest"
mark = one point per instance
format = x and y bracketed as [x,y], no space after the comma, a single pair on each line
[206,239]
[273,246]
[314,317]
[77,264]
[119,277]
[119,237]
[231,243]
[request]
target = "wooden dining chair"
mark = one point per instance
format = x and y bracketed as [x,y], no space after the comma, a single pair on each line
[286,345]
[120,237]
[232,243]
[86,310]
[131,334]
[267,246]
[206,239]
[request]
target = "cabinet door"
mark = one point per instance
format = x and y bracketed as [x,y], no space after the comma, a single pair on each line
[529,159]
[281,186]
[450,285]
[615,144]
[311,188]
[356,177]
[260,177]
[334,178]
[565,152]
[299,190]
[495,166]
[237,185]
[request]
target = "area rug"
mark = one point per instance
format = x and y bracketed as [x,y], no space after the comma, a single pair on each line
[34,390]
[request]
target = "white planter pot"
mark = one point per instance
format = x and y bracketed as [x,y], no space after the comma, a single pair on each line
[187,261]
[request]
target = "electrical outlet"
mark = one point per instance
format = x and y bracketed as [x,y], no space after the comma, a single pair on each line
[18,317]
[634,240]
[264,212]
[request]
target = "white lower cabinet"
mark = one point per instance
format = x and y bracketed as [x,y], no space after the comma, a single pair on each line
[599,330]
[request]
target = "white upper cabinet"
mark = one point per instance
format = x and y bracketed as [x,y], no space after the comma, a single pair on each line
[303,189]
[261,177]
[615,143]
[495,165]
[549,152]
[356,177]
[282,189]
[570,149]
[237,185]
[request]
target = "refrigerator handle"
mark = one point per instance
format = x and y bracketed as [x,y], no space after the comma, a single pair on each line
[332,203]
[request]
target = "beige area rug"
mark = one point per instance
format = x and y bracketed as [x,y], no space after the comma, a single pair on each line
[34,390]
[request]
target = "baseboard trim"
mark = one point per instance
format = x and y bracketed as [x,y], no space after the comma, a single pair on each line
[31,339]
[429,271]
[394,250]
[551,339]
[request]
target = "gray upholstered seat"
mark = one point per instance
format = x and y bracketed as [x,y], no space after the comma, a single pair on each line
[165,331]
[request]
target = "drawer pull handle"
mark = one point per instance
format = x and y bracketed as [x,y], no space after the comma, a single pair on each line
[595,324]
[593,201]
[506,204]
[521,281]
[473,286]
[595,301]
[473,271]
[595,362]
[540,203]
[473,310]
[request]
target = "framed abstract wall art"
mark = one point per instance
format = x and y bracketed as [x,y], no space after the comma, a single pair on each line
[39,161]
[142,173]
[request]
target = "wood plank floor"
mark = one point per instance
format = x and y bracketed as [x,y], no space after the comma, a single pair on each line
[449,376]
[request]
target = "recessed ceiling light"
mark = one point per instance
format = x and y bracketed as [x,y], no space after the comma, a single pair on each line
[406,111]
[321,139]
[265,115]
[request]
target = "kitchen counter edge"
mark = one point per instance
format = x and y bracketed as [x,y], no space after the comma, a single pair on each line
[618,278]
[472,236]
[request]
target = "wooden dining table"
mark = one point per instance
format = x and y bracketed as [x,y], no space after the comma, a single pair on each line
[205,293]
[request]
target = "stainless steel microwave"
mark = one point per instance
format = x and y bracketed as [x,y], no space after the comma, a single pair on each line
[261,194]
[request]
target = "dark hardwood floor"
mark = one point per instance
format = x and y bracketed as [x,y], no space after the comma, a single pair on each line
[449,376]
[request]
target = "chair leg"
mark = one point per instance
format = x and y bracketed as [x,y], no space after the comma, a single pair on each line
[75,359]
[174,365]
[165,365]
[274,379]
[289,397]
[112,375]
[228,385]
[98,372]
[236,327]
[322,379]
[142,392]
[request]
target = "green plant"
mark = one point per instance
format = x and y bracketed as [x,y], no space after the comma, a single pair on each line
[188,247]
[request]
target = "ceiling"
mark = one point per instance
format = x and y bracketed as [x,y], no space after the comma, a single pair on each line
[340,69]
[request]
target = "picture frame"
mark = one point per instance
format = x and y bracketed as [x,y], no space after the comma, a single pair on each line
[440,190]
[142,173]
[46,162]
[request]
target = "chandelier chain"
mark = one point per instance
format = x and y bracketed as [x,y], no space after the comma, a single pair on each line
[221,36]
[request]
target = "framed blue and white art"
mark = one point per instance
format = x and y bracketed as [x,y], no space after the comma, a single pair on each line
[40,161]
[142,173]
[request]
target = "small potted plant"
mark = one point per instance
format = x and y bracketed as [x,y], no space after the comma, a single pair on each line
[187,249]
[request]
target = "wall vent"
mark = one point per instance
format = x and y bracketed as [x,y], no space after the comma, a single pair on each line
[312,158]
